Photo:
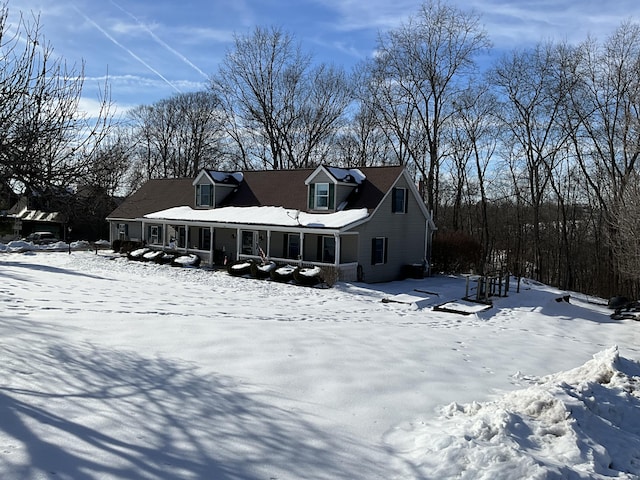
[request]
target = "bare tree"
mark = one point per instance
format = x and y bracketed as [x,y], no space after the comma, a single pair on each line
[606,107]
[476,137]
[177,136]
[416,76]
[624,231]
[45,139]
[534,90]
[280,112]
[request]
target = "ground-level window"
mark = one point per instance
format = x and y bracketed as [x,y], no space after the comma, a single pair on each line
[292,245]
[123,230]
[379,249]
[204,238]
[155,234]
[248,243]
[327,249]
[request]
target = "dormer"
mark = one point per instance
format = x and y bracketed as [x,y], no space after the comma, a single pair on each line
[329,187]
[212,187]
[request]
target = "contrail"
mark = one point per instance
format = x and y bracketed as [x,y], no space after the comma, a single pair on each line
[106,34]
[160,41]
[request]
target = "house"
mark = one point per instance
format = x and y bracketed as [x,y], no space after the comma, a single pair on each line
[25,220]
[370,224]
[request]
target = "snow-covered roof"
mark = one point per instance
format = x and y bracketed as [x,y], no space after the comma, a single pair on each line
[350,175]
[273,216]
[225,177]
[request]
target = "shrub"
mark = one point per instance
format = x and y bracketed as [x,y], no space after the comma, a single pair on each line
[330,275]
[455,252]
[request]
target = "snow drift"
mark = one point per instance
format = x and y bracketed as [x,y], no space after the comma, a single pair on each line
[582,423]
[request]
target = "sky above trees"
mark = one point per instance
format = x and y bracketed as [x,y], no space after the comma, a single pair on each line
[152,50]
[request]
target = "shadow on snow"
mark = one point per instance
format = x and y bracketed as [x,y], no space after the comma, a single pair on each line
[88,412]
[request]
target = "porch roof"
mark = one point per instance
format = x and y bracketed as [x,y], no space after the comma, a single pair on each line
[267,216]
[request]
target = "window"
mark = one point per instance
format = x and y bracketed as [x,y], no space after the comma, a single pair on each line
[379,249]
[123,230]
[292,245]
[204,195]
[248,243]
[322,196]
[181,240]
[204,238]
[399,200]
[327,249]
[155,234]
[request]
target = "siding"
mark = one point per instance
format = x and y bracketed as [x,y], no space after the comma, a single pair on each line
[406,235]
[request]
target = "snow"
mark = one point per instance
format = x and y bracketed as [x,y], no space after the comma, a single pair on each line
[112,368]
[344,174]
[274,216]
[222,177]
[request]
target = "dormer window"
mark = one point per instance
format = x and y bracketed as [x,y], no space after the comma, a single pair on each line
[322,196]
[204,195]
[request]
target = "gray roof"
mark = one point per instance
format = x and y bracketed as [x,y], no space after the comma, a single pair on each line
[155,195]
[280,188]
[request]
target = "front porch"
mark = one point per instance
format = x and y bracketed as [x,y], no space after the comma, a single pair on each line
[219,244]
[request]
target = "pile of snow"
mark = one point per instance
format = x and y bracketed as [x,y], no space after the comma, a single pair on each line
[20,246]
[575,424]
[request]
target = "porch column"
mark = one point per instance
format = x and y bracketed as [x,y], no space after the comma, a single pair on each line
[143,233]
[212,246]
[301,248]
[186,237]
[164,235]
[238,243]
[337,249]
[268,252]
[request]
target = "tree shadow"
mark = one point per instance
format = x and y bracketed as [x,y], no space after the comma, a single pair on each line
[90,412]
[49,269]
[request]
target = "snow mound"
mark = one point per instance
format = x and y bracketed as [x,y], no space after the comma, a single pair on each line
[582,423]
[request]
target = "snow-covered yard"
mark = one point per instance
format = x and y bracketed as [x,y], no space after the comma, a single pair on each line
[115,369]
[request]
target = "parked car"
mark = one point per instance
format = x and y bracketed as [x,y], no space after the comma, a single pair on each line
[41,238]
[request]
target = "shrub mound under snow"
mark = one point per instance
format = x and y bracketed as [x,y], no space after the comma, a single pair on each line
[582,423]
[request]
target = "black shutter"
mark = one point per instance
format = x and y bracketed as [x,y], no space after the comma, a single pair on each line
[373,251]
[406,200]
[386,249]
[394,207]
[312,190]
[332,196]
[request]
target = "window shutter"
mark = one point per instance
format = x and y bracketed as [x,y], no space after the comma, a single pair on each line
[386,248]
[373,251]
[406,200]
[394,207]
[332,196]
[312,192]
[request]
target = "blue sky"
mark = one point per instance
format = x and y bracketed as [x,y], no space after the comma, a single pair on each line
[153,49]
